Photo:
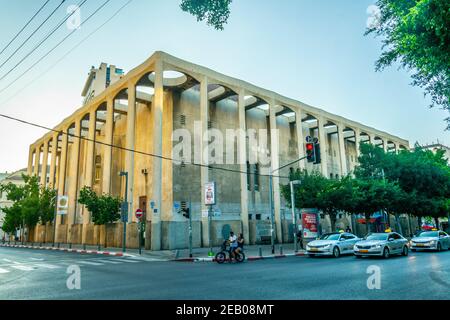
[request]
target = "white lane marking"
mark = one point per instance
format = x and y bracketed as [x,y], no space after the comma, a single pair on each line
[145,259]
[47,266]
[89,263]
[3,270]
[37,259]
[112,262]
[10,261]
[124,260]
[22,268]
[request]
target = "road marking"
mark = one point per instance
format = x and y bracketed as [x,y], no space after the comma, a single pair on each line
[112,262]
[10,261]
[22,268]
[47,266]
[124,260]
[37,259]
[89,263]
[3,270]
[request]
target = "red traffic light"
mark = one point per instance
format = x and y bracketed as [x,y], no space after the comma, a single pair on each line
[309,147]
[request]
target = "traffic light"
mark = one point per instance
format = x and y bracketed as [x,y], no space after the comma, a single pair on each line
[186,213]
[317,156]
[310,152]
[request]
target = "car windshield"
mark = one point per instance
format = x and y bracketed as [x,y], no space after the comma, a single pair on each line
[330,236]
[377,236]
[429,234]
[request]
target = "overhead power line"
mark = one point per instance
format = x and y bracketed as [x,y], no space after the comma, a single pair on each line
[42,41]
[32,34]
[26,25]
[132,150]
[68,52]
[56,46]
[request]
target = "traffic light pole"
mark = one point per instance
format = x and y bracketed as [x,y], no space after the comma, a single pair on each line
[190,229]
[272,223]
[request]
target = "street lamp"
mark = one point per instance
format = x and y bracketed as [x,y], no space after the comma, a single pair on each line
[294,220]
[124,210]
[272,223]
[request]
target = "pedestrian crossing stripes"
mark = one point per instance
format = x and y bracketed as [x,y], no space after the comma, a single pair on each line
[33,264]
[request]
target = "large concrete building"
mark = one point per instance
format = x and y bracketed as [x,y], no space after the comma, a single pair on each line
[142,110]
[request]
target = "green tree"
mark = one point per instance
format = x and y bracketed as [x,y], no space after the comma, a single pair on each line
[215,12]
[416,33]
[32,204]
[104,209]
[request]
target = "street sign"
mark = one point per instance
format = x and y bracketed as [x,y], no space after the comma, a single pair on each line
[309,139]
[63,205]
[210,193]
[139,213]
[124,211]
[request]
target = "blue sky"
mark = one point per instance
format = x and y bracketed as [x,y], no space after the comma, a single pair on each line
[312,51]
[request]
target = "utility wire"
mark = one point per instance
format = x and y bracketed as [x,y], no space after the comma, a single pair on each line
[131,150]
[67,53]
[42,41]
[26,25]
[56,46]
[32,34]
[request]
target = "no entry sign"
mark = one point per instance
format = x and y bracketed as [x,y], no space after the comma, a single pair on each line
[139,213]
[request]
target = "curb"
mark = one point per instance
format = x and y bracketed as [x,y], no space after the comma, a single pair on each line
[105,253]
[251,258]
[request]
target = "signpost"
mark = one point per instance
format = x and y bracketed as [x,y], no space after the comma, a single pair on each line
[139,215]
[63,205]
[210,200]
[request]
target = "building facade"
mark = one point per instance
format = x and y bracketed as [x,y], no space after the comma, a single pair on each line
[133,125]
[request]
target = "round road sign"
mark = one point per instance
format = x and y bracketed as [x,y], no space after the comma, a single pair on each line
[139,213]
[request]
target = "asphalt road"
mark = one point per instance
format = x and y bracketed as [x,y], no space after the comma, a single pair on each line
[33,274]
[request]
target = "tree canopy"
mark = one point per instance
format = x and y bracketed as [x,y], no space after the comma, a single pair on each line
[104,209]
[416,33]
[215,12]
[32,204]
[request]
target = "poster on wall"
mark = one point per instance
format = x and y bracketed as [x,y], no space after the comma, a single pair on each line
[310,223]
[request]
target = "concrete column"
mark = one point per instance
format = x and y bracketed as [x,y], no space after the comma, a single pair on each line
[242,158]
[342,155]
[89,171]
[62,178]
[73,173]
[323,146]
[275,164]
[130,144]
[52,183]
[37,161]
[357,142]
[157,110]
[90,148]
[300,139]
[43,181]
[106,187]
[385,147]
[203,145]
[30,161]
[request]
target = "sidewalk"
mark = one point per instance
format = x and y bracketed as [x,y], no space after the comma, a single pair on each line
[252,252]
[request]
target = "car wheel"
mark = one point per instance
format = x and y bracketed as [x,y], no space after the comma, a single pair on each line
[311,255]
[405,251]
[386,253]
[336,252]
[439,247]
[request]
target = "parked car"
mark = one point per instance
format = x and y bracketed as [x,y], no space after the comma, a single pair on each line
[332,244]
[431,240]
[381,244]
